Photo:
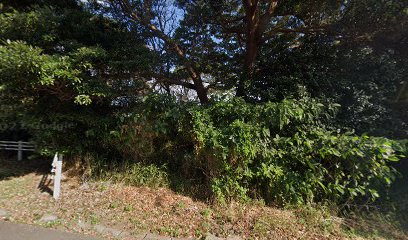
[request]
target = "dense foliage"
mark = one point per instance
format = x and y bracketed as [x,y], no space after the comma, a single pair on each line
[236,96]
[282,152]
[60,70]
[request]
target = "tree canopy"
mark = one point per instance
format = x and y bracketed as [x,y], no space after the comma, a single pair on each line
[233,92]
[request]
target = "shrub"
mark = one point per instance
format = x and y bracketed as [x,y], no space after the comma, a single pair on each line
[283,152]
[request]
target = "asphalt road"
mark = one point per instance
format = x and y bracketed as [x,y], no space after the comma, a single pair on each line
[14,231]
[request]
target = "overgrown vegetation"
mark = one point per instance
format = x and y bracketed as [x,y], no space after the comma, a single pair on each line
[134,174]
[282,152]
[286,102]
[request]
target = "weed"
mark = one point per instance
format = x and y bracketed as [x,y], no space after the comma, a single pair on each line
[128,208]
[170,231]
[114,205]
[181,205]
[94,219]
[103,186]
[53,224]
[206,213]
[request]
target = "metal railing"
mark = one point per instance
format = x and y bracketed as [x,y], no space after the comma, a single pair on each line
[18,146]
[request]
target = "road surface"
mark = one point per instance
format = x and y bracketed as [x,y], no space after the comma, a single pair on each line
[14,231]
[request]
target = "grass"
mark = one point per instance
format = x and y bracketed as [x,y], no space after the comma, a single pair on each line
[94,219]
[133,174]
[124,200]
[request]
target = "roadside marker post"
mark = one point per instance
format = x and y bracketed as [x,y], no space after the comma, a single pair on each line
[57,170]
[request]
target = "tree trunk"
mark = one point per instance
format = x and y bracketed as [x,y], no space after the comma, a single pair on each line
[198,83]
[256,24]
[252,44]
[249,65]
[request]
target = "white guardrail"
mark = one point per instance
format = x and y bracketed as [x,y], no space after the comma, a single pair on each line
[18,146]
[21,146]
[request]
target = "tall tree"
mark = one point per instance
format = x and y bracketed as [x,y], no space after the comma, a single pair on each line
[250,24]
[155,16]
[258,48]
[65,65]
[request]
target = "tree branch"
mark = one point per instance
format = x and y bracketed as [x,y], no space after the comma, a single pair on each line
[194,74]
[276,31]
[164,79]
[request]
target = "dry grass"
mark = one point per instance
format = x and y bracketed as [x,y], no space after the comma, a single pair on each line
[136,210]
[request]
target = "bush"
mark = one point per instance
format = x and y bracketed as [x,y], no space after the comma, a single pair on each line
[282,152]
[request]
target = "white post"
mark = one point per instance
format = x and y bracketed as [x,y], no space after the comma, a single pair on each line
[57,164]
[20,151]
